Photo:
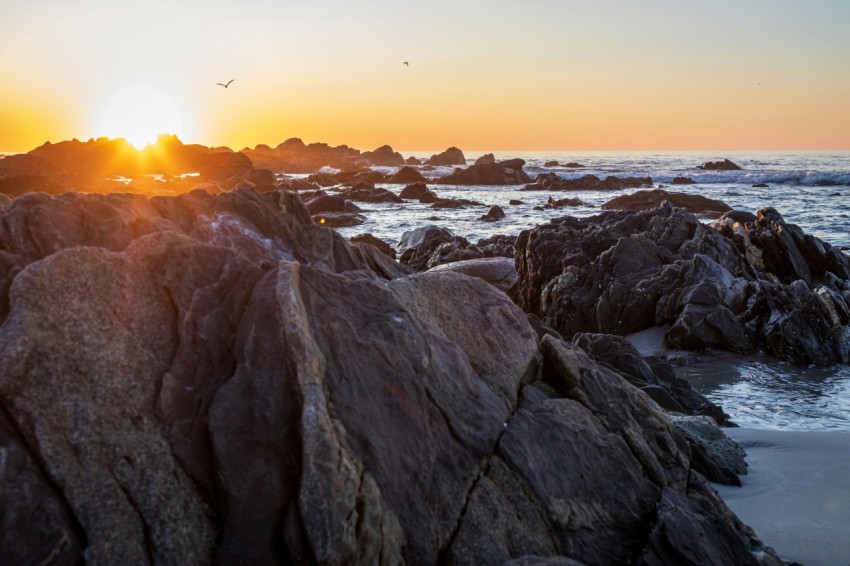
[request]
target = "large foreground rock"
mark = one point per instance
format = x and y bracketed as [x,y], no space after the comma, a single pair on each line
[202,379]
[737,285]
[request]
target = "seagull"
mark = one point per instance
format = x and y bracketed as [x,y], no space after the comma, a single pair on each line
[226,85]
[406,63]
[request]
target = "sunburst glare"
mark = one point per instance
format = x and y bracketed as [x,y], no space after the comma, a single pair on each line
[139,113]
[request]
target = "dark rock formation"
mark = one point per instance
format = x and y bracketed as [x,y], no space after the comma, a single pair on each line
[724,165]
[369,193]
[407,175]
[551,164]
[371,240]
[573,165]
[554,182]
[683,181]
[19,184]
[760,185]
[413,161]
[452,156]
[320,201]
[383,155]
[495,213]
[738,287]
[713,454]
[485,159]
[644,200]
[515,202]
[503,173]
[214,379]
[222,165]
[825,183]
[415,191]
[430,246]
[561,203]
[338,219]
[294,156]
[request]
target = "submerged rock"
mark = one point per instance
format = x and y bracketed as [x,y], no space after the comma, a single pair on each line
[724,165]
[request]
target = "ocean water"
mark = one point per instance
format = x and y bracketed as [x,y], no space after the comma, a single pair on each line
[756,391]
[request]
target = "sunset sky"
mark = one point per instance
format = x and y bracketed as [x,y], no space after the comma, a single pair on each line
[495,75]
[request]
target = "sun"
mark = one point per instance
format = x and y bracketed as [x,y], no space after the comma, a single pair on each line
[139,113]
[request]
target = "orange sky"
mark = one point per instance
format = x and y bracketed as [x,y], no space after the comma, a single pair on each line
[496,75]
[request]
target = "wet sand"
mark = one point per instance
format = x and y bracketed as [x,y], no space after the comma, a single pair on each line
[796,495]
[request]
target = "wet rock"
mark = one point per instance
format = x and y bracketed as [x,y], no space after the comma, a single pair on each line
[414,191]
[551,164]
[760,185]
[515,202]
[561,203]
[644,200]
[573,165]
[322,179]
[320,201]
[554,182]
[485,159]
[488,174]
[724,165]
[683,181]
[369,193]
[825,183]
[407,175]
[495,213]
[452,156]
[413,161]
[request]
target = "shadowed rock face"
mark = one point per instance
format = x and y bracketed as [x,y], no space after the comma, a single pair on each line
[734,286]
[214,379]
[644,200]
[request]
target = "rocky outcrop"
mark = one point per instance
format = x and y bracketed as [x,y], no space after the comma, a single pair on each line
[369,193]
[485,159]
[14,185]
[683,181]
[214,379]
[503,173]
[383,155]
[644,200]
[497,271]
[452,156]
[495,213]
[371,240]
[724,165]
[760,285]
[415,191]
[320,201]
[554,182]
[222,165]
[407,175]
[294,156]
[429,246]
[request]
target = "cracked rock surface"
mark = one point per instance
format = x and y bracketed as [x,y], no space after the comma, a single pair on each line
[215,379]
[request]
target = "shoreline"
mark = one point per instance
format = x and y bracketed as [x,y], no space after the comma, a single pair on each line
[796,494]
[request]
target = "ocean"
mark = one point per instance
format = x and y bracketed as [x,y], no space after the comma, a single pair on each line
[809,188]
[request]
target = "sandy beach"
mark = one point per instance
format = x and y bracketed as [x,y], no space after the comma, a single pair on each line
[796,495]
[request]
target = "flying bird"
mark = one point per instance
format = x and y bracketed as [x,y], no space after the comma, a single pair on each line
[226,85]
[406,63]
